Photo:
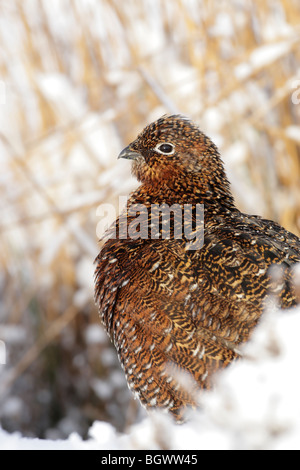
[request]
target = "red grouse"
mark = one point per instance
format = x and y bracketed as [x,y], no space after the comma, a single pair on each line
[175,311]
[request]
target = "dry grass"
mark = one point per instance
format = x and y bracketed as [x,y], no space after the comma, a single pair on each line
[81,79]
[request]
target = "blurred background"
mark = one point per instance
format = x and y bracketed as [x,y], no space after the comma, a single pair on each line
[78,80]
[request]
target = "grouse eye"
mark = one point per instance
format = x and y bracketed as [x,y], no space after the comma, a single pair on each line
[165,149]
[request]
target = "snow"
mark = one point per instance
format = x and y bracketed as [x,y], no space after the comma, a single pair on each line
[261,57]
[223,25]
[254,405]
[293,132]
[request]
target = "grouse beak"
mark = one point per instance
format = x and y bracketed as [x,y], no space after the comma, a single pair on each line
[130,154]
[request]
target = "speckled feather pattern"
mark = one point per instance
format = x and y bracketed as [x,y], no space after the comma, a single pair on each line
[177,316]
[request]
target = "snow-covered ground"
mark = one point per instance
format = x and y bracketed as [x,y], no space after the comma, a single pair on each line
[255,405]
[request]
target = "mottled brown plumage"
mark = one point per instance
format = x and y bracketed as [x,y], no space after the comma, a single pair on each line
[169,309]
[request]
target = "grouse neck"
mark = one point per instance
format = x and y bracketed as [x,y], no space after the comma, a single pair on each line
[189,190]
